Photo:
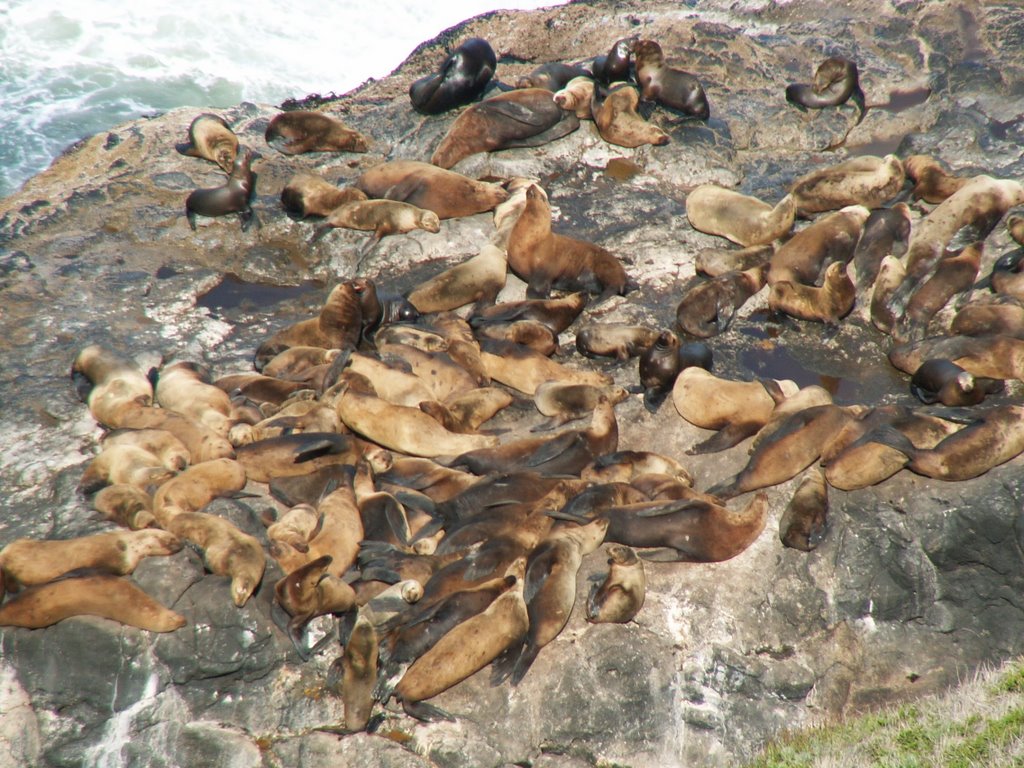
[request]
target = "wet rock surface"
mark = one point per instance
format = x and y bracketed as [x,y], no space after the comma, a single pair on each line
[916,583]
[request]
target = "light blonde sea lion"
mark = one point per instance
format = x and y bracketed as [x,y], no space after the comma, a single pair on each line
[619,598]
[829,238]
[478,279]
[196,487]
[339,535]
[507,212]
[299,131]
[524,370]
[296,417]
[828,304]
[185,388]
[576,96]
[382,217]
[203,443]
[717,261]
[743,219]
[617,120]
[462,346]
[308,194]
[127,505]
[423,339]
[110,597]
[127,464]
[298,363]
[211,138]
[443,377]
[864,180]
[391,383]
[161,443]
[446,193]
[623,466]
[118,386]
[891,274]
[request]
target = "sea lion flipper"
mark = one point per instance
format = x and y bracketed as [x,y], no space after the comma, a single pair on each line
[670,507]
[512,110]
[427,713]
[725,438]
[398,521]
[313,449]
[554,448]
[187,148]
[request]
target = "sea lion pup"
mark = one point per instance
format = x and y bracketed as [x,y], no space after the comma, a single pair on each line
[465,649]
[383,217]
[932,182]
[829,238]
[993,438]
[999,315]
[954,273]
[743,219]
[527,333]
[308,194]
[943,381]
[994,357]
[123,464]
[524,117]
[623,466]
[467,412]
[184,387]
[297,454]
[299,416]
[804,523]
[546,260]
[477,279]
[297,363]
[562,402]
[708,307]
[211,138]
[661,363]
[552,76]
[557,314]
[339,534]
[883,309]
[126,505]
[226,550]
[836,81]
[550,587]
[398,427]
[161,443]
[619,598]
[202,442]
[196,487]
[235,196]
[300,131]
[713,262]
[576,96]
[736,408]
[564,454]
[26,562]
[109,597]
[669,87]
[799,441]
[686,530]
[828,304]
[116,385]
[310,591]
[295,527]
[460,79]
[614,65]
[619,340]
[886,231]
[617,120]
[865,180]
[524,370]
[447,193]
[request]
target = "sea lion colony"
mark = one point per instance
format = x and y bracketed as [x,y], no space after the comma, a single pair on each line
[366,428]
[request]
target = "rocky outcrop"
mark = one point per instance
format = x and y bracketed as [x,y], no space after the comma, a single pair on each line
[917,582]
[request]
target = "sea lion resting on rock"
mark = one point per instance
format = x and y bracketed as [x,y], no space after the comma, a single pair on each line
[943,381]
[446,193]
[116,384]
[300,131]
[708,308]
[743,219]
[307,194]
[383,217]
[866,180]
[618,122]
[621,595]
[577,96]
[670,87]
[235,196]
[478,279]
[836,81]
[619,340]
[461,78]
[830,238]
[828,304]
[211,138]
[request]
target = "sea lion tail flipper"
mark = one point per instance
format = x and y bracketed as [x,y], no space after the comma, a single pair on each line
[313,449]
[526,658]
[670,507]
[774,390]
[725,489]
[187,148]
[283,621]
[892,437]
[398,521]
[857,97]
[558,514]
[503,667]
[427,713]
[725,438]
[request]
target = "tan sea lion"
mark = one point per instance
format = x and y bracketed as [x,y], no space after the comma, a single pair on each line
[383,217]
[804,522]
[296,363]
[827,239]
[446,193]
[478,279]
[708,307]
[211,138]
[203,443]
[390,383]
[524,117]
[359,674]
[127,505]
[617,120]
[297,454]
[524,370]
[828,304]
[467,412]
[443,377]
[618,340]
[301,130]
[932,182]
[1001,315]
[110,597]
[234,196]
[666,85]
[123,464]
[462,346]
[717,261]
[885,232]
[992,357]
[307,194]
[423,339]
[953,274]
[563,402]
[196,487]
[161,443]
[556,313]
[185,388]
[527,333]
[118,386]
[295,527]
[891,274]
[576,96]
[339,534]
[863,180]
[619,598]
[743,219]
[310,591]
[339,325]
[624,466]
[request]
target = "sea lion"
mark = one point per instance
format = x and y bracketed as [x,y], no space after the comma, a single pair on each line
[339,534]
[576,96]
[788,404]
[836,81]
[524,117]
[617,120]
[524,370]
[235,196]
[110,597]
[468,411]
[658,367]
[552,76]
[828,304]
[932,182]
[310,591]
[27,562]
[1000,315]
[123,464]
[953,274]
[359,674]
[743,219]
[203,443]
[383,217]
[886,231]
[619,340]
[943,381]
[296,454]
[339,325]
[226,550]
[211,138]
[126,505]
[397,386]
[1007,275]
[624,466]
[891,274]
[443,376]
[803,524]
[708,307]
[619,598]
[864,180]
[184,387]
[669,87]
[527,333]
[478,279]
[423,339]
[557,313]
[994,357]
[614,65]
[446,193]
[300,131]
[296,363]
[116,385]
[295,527]
[307,194]
[713,262]
[462,347]
[197,486]
[460,79]
[563,402]
[828,238]
[547,260]
[161,443]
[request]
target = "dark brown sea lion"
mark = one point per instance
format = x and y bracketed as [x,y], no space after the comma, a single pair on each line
[307,194]
[708,307]
[621,595]
[836,81]
[460,79]
[615,114]
[235,196]
[885,232]
[829,238]
[803,524]
[658,367]
[551,76]
[743,219]
[864,180]
[953,274]
[943,381]
[614,66]
[619,340]
[670,87]
[557,314]
[446,193]
[211,138]
[524,117]
[932,182]
[300,131]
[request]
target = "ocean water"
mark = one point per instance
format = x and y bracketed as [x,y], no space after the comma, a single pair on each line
[69,70]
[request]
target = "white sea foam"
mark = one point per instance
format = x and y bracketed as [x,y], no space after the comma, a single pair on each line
[69,70]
